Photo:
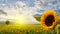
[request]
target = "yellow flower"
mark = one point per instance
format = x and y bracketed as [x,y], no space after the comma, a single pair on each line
[48,19]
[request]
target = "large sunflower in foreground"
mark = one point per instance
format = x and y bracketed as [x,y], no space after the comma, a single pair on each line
[48,19]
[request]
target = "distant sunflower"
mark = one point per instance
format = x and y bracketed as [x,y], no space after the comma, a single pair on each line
[48,19]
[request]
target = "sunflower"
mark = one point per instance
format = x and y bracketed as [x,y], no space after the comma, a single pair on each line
[48,19]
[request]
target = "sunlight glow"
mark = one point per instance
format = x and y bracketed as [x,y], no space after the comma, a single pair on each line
[21,19]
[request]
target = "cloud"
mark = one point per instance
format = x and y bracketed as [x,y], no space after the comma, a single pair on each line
[2,12]
[46,4]
[21,8]
[40,4]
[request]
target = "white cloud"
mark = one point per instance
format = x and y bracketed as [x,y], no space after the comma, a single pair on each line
[20,4]
[21,8]
[39,4]
[46,4]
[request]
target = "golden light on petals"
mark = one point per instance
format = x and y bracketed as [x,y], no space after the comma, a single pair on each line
[48,19]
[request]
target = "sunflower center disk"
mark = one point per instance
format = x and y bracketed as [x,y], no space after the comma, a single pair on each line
[49,20]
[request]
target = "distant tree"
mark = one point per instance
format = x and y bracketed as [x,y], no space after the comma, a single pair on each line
[7,22]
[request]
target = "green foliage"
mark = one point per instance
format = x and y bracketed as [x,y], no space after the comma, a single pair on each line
[38,18]
[58,21]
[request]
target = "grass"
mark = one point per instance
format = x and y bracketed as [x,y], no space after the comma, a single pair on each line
[24,29]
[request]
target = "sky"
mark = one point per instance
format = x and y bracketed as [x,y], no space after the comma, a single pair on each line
[36,5]
[28,8]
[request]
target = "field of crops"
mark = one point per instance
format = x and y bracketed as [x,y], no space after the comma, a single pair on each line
[19,29]
[25,29]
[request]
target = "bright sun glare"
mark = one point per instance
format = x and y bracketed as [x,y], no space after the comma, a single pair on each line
[22,19]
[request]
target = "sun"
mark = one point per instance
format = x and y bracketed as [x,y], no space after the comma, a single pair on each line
[21,19]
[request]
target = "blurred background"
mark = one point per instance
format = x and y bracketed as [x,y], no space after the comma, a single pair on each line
[31,9]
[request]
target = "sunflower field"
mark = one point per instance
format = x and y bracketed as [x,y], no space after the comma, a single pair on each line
[50,24]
